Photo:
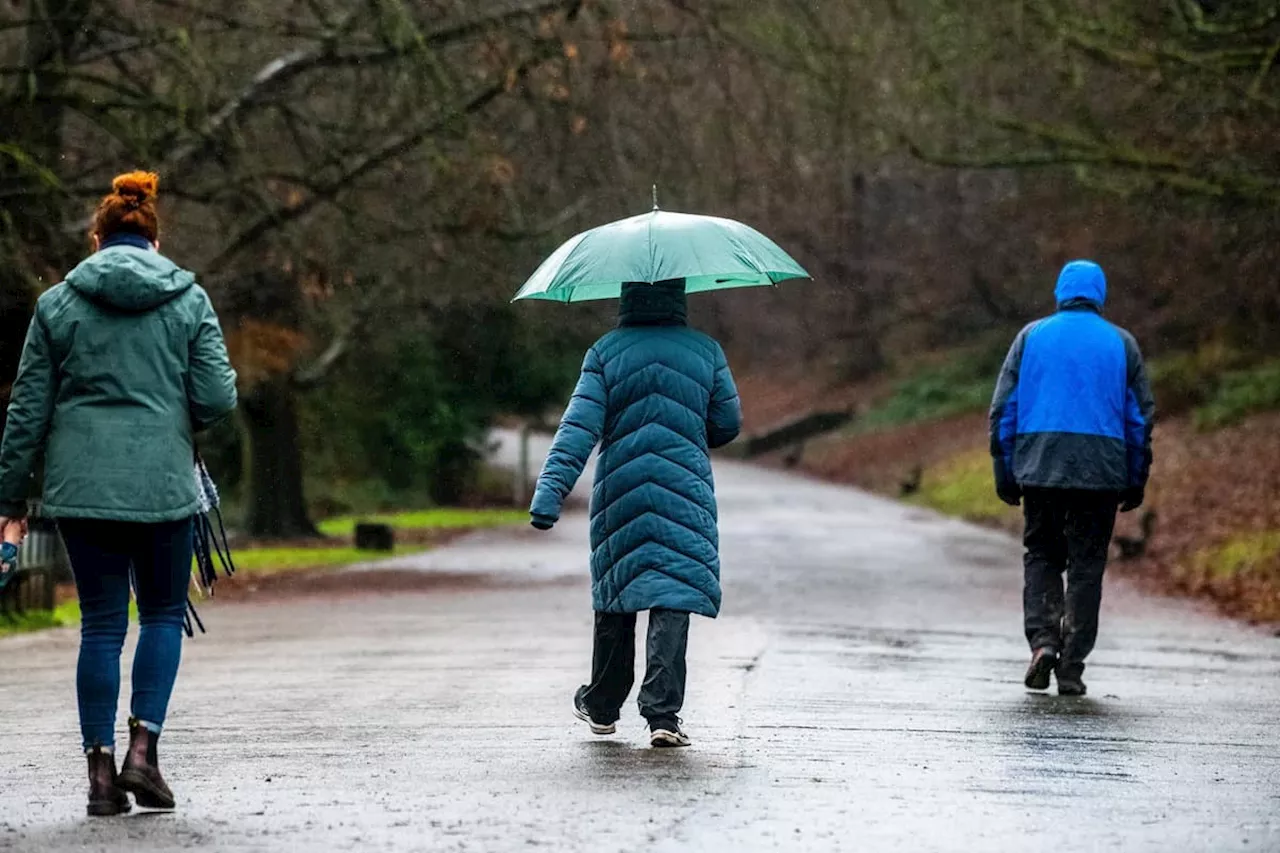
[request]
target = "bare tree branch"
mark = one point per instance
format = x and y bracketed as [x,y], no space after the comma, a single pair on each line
[1220,62]
[276,74]
[1068,146]
[1238,25]
[547,226]
[358,319]
[276,219]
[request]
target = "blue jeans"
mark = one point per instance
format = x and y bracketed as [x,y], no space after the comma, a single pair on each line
[102,554]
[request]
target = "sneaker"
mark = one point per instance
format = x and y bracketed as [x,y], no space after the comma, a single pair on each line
[1043,663]
[597,728]
[667,734]
[1070,683]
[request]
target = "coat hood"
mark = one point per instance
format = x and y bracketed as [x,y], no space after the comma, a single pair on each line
[662,303]
[129,279]
[1081,282]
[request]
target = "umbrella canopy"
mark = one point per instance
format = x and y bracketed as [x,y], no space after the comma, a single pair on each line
[709,253]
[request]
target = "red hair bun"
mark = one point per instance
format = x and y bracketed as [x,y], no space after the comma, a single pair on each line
[130,207]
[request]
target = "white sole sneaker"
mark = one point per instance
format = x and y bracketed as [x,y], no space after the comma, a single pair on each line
[665,738]
[596,728]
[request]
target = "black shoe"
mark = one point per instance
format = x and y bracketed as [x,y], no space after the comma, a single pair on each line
[580,711]
[667,733]
[105,796]
[1043,663]
[1069,681]
[140,774]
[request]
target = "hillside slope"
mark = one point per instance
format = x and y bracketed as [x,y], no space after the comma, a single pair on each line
[1215,495]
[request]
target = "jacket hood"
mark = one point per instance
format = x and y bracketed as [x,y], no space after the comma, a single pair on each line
[1081,282]
[662,303]
[129,279]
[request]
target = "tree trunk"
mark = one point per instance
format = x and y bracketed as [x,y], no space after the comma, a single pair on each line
[32,116]
[33,247]
[275,502]
[17,301]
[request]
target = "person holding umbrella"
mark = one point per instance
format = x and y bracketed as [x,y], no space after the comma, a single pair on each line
[656,396]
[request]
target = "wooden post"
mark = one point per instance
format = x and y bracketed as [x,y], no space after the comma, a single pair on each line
[520,486]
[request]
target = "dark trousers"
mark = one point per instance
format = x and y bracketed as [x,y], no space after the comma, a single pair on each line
[613,666]
[1068,532]
[104,554]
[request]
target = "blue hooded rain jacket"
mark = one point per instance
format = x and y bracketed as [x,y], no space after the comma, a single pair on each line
[1073,407]
[656,396]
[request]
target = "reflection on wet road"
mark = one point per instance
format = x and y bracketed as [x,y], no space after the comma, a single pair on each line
[861,692]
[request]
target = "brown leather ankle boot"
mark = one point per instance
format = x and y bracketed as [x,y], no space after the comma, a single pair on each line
[140,774]
[105,796]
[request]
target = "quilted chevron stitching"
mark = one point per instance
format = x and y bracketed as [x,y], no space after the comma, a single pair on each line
[619,590]
[624,387]
[696,442]
[700,418]
[612,502]
[684,340]
[613,469]
[652,512]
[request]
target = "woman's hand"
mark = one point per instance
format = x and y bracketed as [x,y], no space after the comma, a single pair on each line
[13,530]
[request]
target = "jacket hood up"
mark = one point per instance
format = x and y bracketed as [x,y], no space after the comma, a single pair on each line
[662,303]
[129,279]
[1081,283]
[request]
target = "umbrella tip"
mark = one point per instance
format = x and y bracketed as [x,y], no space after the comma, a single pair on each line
[655,196]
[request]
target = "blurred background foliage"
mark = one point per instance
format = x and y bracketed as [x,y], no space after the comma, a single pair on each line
[362,187]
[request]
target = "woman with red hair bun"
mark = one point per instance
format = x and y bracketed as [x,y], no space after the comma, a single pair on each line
[123,362]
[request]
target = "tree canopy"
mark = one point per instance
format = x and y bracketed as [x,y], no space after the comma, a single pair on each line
[362,187]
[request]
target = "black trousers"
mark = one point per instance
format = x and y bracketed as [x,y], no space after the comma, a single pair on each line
[1068,531]
[613,666]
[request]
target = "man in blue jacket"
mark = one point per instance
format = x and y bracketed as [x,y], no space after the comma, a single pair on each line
[656,396]
[1071,439]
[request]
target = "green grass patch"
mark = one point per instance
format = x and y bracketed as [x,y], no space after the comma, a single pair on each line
[273,560]
[1242,554]
[265,561]
[61,616]
[1239,394]
[430,519]
[963,488]
[249,562]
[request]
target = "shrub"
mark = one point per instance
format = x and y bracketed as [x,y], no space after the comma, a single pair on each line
[964,383]
[1239,394]
[1239,555]
[1183,381]
[964,488]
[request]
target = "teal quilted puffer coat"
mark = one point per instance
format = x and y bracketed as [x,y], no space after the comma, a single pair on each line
[656,396]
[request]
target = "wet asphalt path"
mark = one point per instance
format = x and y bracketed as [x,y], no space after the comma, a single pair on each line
[861,692]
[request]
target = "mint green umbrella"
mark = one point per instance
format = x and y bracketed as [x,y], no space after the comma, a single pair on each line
[709,253]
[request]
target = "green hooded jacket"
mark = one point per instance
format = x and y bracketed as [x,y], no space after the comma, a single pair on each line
[123,363]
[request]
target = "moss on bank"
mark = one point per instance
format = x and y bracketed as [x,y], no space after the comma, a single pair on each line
[963,488]
[1242,554]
